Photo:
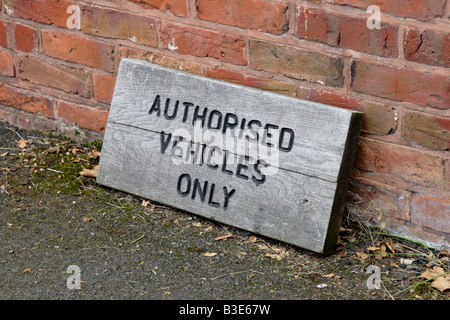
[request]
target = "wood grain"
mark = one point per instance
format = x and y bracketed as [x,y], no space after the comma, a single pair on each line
[300,203]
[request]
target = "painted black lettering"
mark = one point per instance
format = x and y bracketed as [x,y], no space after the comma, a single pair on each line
[176,148]
[290,140]
[197,116]
[262,178]
[241,132]
[208,159]
[230,122]
[224,165]
[239,173]
[165,141]
[156,106]
[227,196]
[187,190]
[218,115]
[267,135]
[186,105]
[252,130]
[174,112]
[201,191]
[211,196]
[202,159]
[194,153]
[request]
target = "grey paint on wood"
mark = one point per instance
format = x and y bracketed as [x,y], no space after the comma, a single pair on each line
[301,204]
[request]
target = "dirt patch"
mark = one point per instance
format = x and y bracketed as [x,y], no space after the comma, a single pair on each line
[51,217]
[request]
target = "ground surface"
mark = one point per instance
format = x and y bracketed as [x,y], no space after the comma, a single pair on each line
[51,217]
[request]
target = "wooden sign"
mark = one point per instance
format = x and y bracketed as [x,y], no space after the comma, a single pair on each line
[267,163]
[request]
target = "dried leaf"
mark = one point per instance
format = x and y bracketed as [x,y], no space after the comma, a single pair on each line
[27,270]
[209,254]
[4,154]
[444,252]
[145,203]
[89,173]
[56,149]
[272,256]
[378,252]
[94,154]
[362,256]
[75,150]
[224,237]
[253,239]
[331,275]
[390,245]
[22,143]
[262,246]
[197,224]
[431,273]
[277,256]
[441,281]
[392,264]
[86,219]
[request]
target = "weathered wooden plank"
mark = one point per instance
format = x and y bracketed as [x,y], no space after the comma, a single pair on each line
[298,198]
[320,130]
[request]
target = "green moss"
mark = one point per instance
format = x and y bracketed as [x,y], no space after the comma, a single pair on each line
[195,249]
[423,288]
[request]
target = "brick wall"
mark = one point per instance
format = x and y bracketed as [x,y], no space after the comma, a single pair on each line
[53,77]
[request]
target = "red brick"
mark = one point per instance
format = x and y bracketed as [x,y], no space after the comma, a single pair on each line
[3,35]
[27,101]
[73,48]
[42,11]
[82,116]
[417,9]
[251,81]
[104,87]
[431,212]
[330,98]
[378,199]
[428,47]
[203,43]
[177,7]
[297,64]
[346,32]
[259,15]
[394,164]
[28,121]
[54,75]
[160,59]
[25,38]
[412,231]
[379,118]
[426,130]
[401,84]
[6,64]
[447,175]
[119,25]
